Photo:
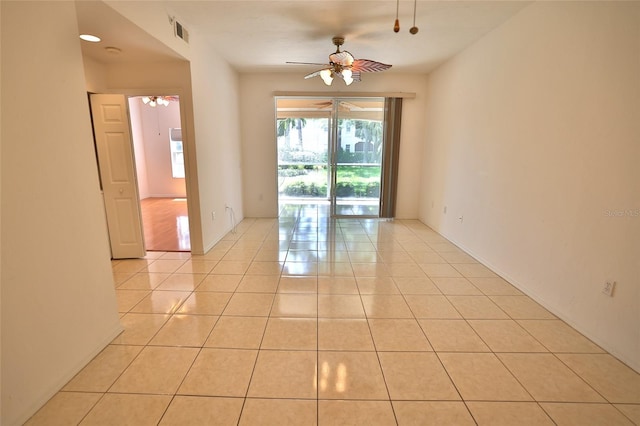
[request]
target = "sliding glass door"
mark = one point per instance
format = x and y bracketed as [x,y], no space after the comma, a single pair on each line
[357,147]
[330,151]
[303,134]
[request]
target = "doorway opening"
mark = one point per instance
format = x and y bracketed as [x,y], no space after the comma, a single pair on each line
[156,131]
[132,148]
[330,152]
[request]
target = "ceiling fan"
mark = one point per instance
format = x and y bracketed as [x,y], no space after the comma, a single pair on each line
[342,64]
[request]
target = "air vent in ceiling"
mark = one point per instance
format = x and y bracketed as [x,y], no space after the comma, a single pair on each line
[180,31]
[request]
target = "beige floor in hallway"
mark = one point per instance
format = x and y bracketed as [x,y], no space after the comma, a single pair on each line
[306,320]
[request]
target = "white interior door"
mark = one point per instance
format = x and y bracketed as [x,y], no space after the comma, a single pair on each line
[117,172]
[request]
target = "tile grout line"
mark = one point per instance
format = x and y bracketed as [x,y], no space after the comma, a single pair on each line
[388,262]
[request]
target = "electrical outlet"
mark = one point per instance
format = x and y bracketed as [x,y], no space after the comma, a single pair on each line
[444,210]
[608,288]
[461,219]
[213,215]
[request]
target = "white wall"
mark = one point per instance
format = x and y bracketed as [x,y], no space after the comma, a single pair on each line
[533,137]
[153,17]
[216,114]
[155,124]
[138,147]
[259,151]
[209,93]
[58,299]
[95,75]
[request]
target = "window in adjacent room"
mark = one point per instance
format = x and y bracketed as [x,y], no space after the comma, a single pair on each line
[177,154]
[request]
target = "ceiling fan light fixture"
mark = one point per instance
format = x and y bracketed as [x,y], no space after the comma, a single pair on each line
[153,101]
[342,64]
[327,76]
[346,75]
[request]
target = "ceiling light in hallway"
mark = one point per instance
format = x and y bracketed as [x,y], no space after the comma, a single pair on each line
[90,38]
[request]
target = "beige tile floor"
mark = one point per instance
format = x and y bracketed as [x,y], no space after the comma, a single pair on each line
[306,320]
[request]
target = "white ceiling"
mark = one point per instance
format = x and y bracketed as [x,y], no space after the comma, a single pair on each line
[257,36]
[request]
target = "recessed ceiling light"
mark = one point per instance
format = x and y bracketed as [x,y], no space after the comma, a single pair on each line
[113,50]
[89,37]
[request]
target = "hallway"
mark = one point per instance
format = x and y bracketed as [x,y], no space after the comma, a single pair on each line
[307,320]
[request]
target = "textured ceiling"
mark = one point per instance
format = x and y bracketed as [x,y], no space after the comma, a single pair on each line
[257,36]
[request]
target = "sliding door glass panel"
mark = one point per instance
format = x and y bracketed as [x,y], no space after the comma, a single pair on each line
[303,154]
[357,156]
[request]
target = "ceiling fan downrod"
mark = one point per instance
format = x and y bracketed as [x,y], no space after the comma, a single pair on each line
[338,41]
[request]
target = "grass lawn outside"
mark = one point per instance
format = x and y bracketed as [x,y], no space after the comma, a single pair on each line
[353,180]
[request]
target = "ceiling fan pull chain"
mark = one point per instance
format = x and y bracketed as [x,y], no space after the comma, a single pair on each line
[396,25]
[414,29]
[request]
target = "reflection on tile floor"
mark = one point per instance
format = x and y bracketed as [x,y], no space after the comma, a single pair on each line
[307,320]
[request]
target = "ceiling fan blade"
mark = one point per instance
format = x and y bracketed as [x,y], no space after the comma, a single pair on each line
[307,63]
[366,65]
[324,105]
[316,73]
[340,62]
[349,106]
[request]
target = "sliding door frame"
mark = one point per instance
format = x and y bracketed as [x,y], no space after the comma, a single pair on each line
[335,148]
[390,149]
